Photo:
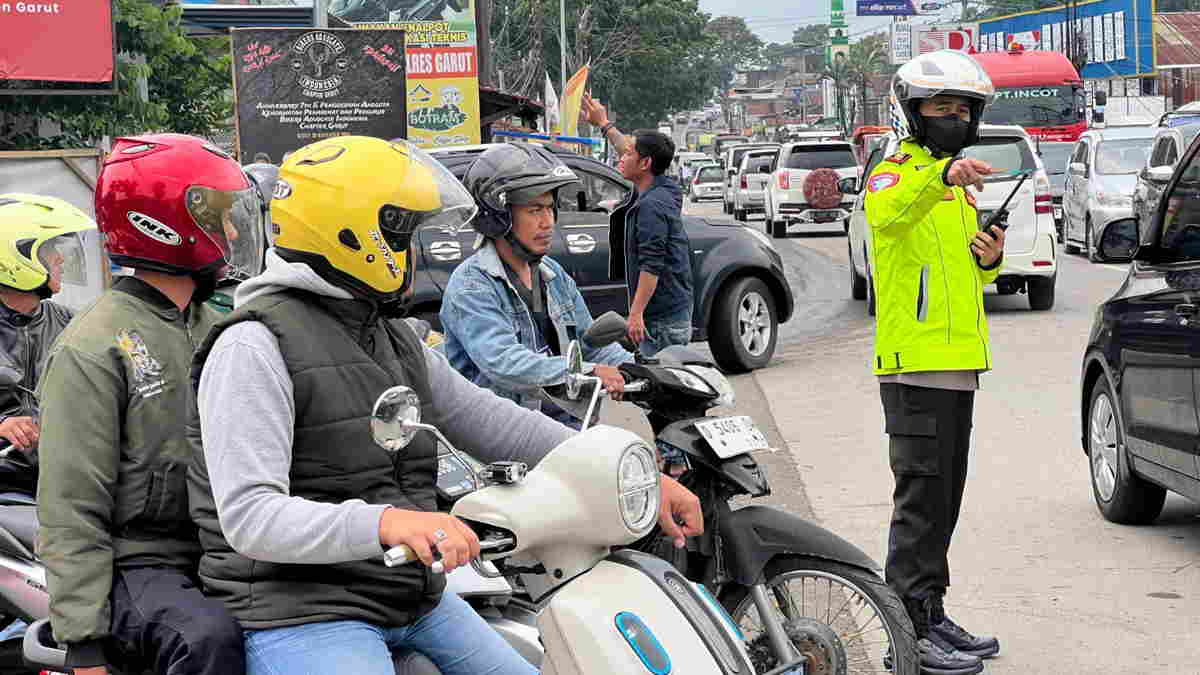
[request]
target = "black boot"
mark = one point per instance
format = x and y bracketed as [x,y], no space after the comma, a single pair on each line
[945,631]
[937,658]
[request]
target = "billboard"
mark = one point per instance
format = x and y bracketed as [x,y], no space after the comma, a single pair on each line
[933,38]
[443,66]
[899,7]
[1117,35]
[64,41]
[294,86]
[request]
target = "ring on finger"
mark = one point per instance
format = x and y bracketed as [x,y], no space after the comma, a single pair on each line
[439,534]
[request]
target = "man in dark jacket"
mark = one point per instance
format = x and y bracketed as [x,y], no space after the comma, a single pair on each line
[646,238]
[40,233]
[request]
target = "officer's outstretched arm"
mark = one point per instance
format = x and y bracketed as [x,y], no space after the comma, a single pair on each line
[900,193]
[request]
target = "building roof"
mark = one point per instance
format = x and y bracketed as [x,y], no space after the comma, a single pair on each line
[1177,39]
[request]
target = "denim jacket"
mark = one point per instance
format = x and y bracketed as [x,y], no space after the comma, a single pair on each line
[490,336]
[646,234]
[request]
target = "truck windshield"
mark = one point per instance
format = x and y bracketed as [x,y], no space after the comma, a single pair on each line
[816,156]
[1035,106]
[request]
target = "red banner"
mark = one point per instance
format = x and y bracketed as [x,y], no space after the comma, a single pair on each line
[66,40]
[439,62]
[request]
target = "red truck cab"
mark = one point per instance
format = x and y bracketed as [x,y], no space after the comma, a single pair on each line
[1038,90]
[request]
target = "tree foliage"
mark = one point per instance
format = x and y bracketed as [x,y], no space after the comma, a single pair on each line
[187,82]
[649,58]
[736,46]
[814,34]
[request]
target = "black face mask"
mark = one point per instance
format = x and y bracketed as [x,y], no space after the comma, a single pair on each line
[946,135]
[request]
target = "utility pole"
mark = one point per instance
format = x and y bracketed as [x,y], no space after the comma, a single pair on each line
[483,38]
[562,53]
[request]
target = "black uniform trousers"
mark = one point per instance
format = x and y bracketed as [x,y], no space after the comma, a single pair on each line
[163,624]
[929,434]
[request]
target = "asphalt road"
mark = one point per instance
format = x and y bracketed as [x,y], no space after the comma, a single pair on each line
[1032,561]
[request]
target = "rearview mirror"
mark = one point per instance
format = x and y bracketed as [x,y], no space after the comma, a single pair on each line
[1120,240]
[608,328]
[848,186]
[574,370]
[395,418]
[1160,174]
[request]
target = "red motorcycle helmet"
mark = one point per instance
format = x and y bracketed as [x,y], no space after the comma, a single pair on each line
[177,204]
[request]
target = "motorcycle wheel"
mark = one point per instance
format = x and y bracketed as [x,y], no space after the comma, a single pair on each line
[844,619]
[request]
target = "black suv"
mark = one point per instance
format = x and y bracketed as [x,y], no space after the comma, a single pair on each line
[741,294]
[1141,369]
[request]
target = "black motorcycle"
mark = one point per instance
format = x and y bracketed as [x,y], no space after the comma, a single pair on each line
[792,587]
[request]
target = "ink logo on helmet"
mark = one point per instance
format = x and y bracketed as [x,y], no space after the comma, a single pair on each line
[154,229]
[319,63]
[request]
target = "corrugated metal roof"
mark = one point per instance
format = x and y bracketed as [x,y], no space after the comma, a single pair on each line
[1177,38]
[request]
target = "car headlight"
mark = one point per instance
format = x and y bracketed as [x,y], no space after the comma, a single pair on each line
[638,488]
[1113,199]
[761,236]
[717,382]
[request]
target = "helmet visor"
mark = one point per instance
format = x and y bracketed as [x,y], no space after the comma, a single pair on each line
[453,209]
[63,256]
[234,221]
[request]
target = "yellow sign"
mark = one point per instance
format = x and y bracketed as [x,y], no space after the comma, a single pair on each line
[443,111]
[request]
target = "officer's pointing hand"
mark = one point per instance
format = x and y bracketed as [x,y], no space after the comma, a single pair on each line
[968,171]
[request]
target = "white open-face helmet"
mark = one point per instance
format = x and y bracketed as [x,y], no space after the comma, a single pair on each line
[946,72]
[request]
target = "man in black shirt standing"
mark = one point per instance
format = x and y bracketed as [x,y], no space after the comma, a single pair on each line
[509,311]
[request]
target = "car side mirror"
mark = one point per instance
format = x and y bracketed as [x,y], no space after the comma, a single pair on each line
[1160,174]
[732,172]
[1120,240]
[1077,168]
[1101,98]
[848,186]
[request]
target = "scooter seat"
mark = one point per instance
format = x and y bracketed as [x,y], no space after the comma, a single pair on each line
[413,663]
[18,530]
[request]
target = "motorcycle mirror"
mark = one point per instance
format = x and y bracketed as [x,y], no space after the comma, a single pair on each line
[608,328]
[395,418]
[574,369]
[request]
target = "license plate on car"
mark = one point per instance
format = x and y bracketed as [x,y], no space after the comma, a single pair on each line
[731,436]
[825,216]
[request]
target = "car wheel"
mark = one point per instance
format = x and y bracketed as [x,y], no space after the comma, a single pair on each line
[1090,246]
[744,326]
[779,229]
[1041,292]
[858,283]
[1121,495]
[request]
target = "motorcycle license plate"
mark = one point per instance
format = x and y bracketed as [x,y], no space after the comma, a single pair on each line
[731,436]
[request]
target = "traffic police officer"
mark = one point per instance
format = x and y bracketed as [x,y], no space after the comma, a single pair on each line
[929,265]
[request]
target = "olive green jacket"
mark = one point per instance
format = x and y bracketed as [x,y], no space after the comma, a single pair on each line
[115,395]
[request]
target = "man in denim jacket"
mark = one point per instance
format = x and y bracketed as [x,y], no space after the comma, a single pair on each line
[509,311]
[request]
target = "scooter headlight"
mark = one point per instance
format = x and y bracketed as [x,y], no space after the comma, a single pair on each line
[692,380]
[638,488]
[717,381]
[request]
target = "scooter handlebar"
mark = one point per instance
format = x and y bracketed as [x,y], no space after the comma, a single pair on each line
[403,555]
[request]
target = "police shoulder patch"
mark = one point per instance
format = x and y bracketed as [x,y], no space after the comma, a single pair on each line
[882,181]
[899,158]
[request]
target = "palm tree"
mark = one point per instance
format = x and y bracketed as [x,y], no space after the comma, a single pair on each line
[866,61]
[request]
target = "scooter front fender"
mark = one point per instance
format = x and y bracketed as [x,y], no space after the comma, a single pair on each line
[752,535]
[649,604]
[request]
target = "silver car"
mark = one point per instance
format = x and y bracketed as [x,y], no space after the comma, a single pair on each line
[1101,179]
[1170,143]
[751,182]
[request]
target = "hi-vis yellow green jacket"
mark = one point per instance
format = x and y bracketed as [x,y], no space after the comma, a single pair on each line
[928,284]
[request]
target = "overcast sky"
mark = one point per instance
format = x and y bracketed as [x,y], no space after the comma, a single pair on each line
[774,20]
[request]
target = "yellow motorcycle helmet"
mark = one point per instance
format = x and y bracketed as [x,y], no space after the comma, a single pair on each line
[348,207]
[32,229]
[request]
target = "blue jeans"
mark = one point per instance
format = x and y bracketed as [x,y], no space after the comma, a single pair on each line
[453,636]
[666,331]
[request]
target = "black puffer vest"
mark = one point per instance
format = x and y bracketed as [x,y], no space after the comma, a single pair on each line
[341,356]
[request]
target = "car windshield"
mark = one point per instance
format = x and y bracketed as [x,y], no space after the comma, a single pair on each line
[1056,156]
[1124,156]
[1003,153]
[811,157]
[710,174]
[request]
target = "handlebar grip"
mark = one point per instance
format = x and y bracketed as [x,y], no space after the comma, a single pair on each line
[404,555]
